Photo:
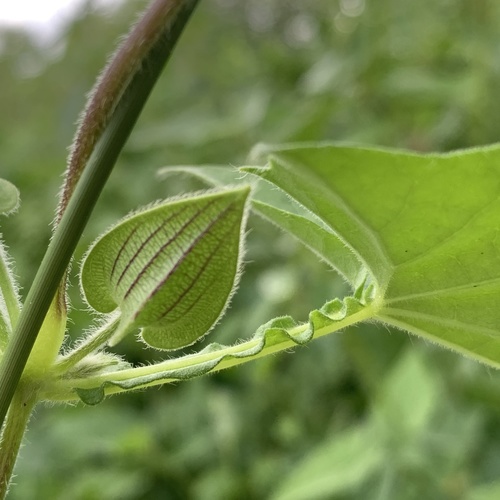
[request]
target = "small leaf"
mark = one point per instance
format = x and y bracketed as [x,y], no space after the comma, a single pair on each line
[91,397]
[9,197]
[170,268]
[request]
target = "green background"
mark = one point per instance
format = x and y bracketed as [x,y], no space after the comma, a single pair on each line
[369,413]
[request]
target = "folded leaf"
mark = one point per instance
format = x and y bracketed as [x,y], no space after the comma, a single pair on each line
[171,268]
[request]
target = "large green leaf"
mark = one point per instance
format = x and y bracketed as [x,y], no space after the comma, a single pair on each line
[169,269]
[426,229]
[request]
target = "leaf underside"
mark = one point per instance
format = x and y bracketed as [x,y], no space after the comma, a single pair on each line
[9,197]
[426,229]
[170,269]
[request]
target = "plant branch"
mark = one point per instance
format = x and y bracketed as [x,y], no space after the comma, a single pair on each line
[88,182]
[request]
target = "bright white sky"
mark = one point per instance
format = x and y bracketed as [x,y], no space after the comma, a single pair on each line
[35,11]
[44,17]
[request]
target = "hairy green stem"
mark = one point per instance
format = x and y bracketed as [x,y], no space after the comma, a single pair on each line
[88,184]
[18,416]
[64,389]
[92,342]
[133,54]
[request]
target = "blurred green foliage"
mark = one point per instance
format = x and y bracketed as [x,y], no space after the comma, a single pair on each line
[369,413]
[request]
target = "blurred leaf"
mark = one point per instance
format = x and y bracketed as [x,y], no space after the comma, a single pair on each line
[193,127]
[9,197]
[335,467]
[489,491]
[105,484]
[407,398]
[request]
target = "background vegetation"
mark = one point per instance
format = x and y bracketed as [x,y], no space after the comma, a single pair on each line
[368,413]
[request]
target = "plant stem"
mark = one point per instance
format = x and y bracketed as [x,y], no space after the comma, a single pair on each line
[229,356]
[18,416]
[91,343]
[86,192]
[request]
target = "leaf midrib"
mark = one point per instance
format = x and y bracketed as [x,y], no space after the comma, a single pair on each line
[470,286]
[385,315]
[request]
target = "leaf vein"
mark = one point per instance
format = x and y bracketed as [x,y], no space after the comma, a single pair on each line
[453,323]
[165,245]
[451,236]
[198,274]
[430,293]
[147,240]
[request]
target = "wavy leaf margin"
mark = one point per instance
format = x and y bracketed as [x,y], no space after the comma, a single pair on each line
[277,335]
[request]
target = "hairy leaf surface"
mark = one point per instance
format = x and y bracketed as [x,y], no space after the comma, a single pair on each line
[171,268]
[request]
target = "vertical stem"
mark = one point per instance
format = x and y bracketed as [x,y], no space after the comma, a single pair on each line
[88,185]
[18,416]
